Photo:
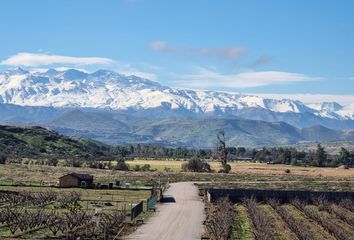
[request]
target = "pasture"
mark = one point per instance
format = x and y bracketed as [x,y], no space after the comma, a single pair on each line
[244,167]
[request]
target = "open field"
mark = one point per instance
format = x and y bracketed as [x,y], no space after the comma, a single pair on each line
[244,174]
[252,168]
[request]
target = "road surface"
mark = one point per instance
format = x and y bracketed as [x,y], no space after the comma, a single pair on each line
[178,220]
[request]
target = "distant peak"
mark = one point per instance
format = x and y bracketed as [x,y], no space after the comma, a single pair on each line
[52,71]
[72,74]
[104,72]
[17,70]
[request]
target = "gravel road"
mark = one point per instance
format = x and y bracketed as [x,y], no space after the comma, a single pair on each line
[176,220]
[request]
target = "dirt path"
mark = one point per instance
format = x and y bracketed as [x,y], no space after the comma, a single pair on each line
[176,220]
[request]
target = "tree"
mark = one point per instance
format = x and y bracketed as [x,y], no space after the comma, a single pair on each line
[3,159]
[321,156]
[219,225]
[222,152]
[345,157]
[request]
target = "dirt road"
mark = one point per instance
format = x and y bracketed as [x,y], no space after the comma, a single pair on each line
[176,220]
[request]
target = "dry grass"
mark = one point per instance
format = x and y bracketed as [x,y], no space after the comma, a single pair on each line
[276,169]
[241,171]
[49,175]
[255,168]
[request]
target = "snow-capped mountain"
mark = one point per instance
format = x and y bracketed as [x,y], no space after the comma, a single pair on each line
[110,90]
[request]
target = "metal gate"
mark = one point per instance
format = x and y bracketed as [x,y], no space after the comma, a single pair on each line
[136,210]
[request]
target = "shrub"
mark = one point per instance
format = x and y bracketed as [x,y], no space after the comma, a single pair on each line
[145,167]
[227,168]
[52,161]
[121,165]
[196,165]
[137,168]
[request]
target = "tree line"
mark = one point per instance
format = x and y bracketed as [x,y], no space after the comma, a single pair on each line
[272,155]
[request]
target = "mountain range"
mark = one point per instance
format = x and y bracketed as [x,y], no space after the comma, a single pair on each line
[117,109]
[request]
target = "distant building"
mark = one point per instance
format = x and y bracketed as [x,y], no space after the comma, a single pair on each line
[76,180]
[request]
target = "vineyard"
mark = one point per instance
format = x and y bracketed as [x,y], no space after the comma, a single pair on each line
[68,214]
[296,219]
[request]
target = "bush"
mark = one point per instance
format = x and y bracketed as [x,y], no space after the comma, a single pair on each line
[227,168]
[121,165]
[196,165]
[145,167]
[137,168]
[76,163]
[52,161]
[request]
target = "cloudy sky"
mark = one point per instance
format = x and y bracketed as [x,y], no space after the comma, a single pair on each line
[300,49]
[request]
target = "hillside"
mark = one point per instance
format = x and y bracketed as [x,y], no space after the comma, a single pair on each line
[38,142]
[116,129]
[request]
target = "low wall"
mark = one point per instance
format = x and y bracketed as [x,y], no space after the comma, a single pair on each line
[236,195]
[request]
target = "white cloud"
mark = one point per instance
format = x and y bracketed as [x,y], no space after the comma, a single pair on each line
[158,45]
[310,98]
[209,79]
[39,62]
[43,59]
[128,69]
[229,53]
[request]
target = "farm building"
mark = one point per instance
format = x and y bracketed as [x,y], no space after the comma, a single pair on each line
[76,180]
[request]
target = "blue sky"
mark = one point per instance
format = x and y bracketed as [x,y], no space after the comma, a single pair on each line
[278,48]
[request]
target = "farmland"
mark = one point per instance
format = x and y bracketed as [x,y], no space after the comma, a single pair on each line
[47,212]
[271,219]
[35,182]
[244,174]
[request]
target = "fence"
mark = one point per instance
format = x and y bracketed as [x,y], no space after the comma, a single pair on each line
[151,202]
[236,195]
[136,210]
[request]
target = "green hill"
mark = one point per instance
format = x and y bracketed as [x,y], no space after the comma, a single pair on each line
[118,129]
[38,142]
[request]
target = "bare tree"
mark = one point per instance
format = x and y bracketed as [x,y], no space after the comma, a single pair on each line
[222,151]
[219,224]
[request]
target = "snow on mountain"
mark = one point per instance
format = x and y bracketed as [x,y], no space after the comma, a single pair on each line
[347,111]
[108,89]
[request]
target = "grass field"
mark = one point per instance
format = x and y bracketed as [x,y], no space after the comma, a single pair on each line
[245,173]
[252,168]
